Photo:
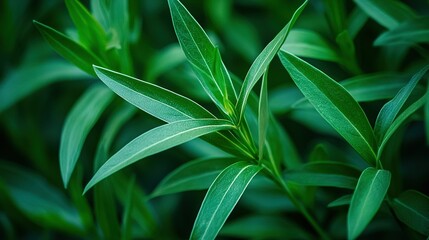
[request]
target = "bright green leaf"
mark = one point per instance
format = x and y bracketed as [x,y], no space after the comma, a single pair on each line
[261,63]
[155,141]
[407,33]
[391,109]
[341,201]
[204,57]
[69,49]
[25,80]
[334,104]
[194,175]
[388,15]
[263,115]
[221,199]
[79,122]
[310,44]
[91,34]
[367,198]
[324,174]
[412,208]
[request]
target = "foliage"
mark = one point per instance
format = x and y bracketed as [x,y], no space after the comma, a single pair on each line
[295,119]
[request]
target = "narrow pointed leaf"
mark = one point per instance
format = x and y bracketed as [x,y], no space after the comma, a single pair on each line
[387,15]
[334,104]
[367,198]
[412,208]
[324,174]
[307,43]
[126,233]
[390,110]
[155,141]
[221,199]
[261,63]
[407,33]
[105,210]
[91,34]
[356,21]
[164,60]
[79,122]
[400,120]
[204,57]
[263,115]
[341,201]
[69,49]
[157,101]
[25,80]
[194,175]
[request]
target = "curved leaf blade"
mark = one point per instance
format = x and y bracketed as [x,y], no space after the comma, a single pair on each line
[412,208]
[204,57]
[194,175]
[261,63]
[366,200]
[324,174]
[390,110]
[79,122]
[221,199]
[263,115]
[155,141]
[69,49]
[334,104]
[407,33]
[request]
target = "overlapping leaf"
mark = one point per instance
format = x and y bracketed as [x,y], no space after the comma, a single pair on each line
[407,33]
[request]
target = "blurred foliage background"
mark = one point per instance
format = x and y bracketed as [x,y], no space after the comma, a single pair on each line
[38,89]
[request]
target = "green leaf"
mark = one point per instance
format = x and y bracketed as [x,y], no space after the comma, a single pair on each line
[334,104]
[324,174]
[238,29]
[399,121]
[27,79]
[157,101]
[69,49]
[374,86]
[264,227]
[78,123]
[426,112]
[91,34]
[164,60]
[263,115]
[310,44]
[407,33]
[194,175]
[221,199]
[155,141]
[412,208]
[335,13]
[38,200]
[264,59]
[356,21]
[204,57]
[391,109]
[388,15]
[128,209]
[341,201]
[106,211]
[367,198]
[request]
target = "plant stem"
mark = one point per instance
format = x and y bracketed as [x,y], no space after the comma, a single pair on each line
[279,180]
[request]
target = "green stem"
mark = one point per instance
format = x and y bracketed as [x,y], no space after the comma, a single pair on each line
[279,180]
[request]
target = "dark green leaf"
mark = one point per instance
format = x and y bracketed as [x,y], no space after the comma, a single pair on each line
[344,200]
[79,122]
[69,49]
[42,203]
[261,63]
[128,209]
[356,21]
[194,175]
[91,34]
[307,43]
[221,199]
[391,109]
[412,208]
[334,104]
[367,198]
[239,29]
[264,227]
[407,33]
[427,115]
[204,58]
[106,211]
[155,141]
[263,115]
[324,174]
[25,80]
[335,12]
[388,15]
[164,60]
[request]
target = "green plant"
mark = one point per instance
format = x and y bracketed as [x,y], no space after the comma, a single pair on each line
[351,176]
